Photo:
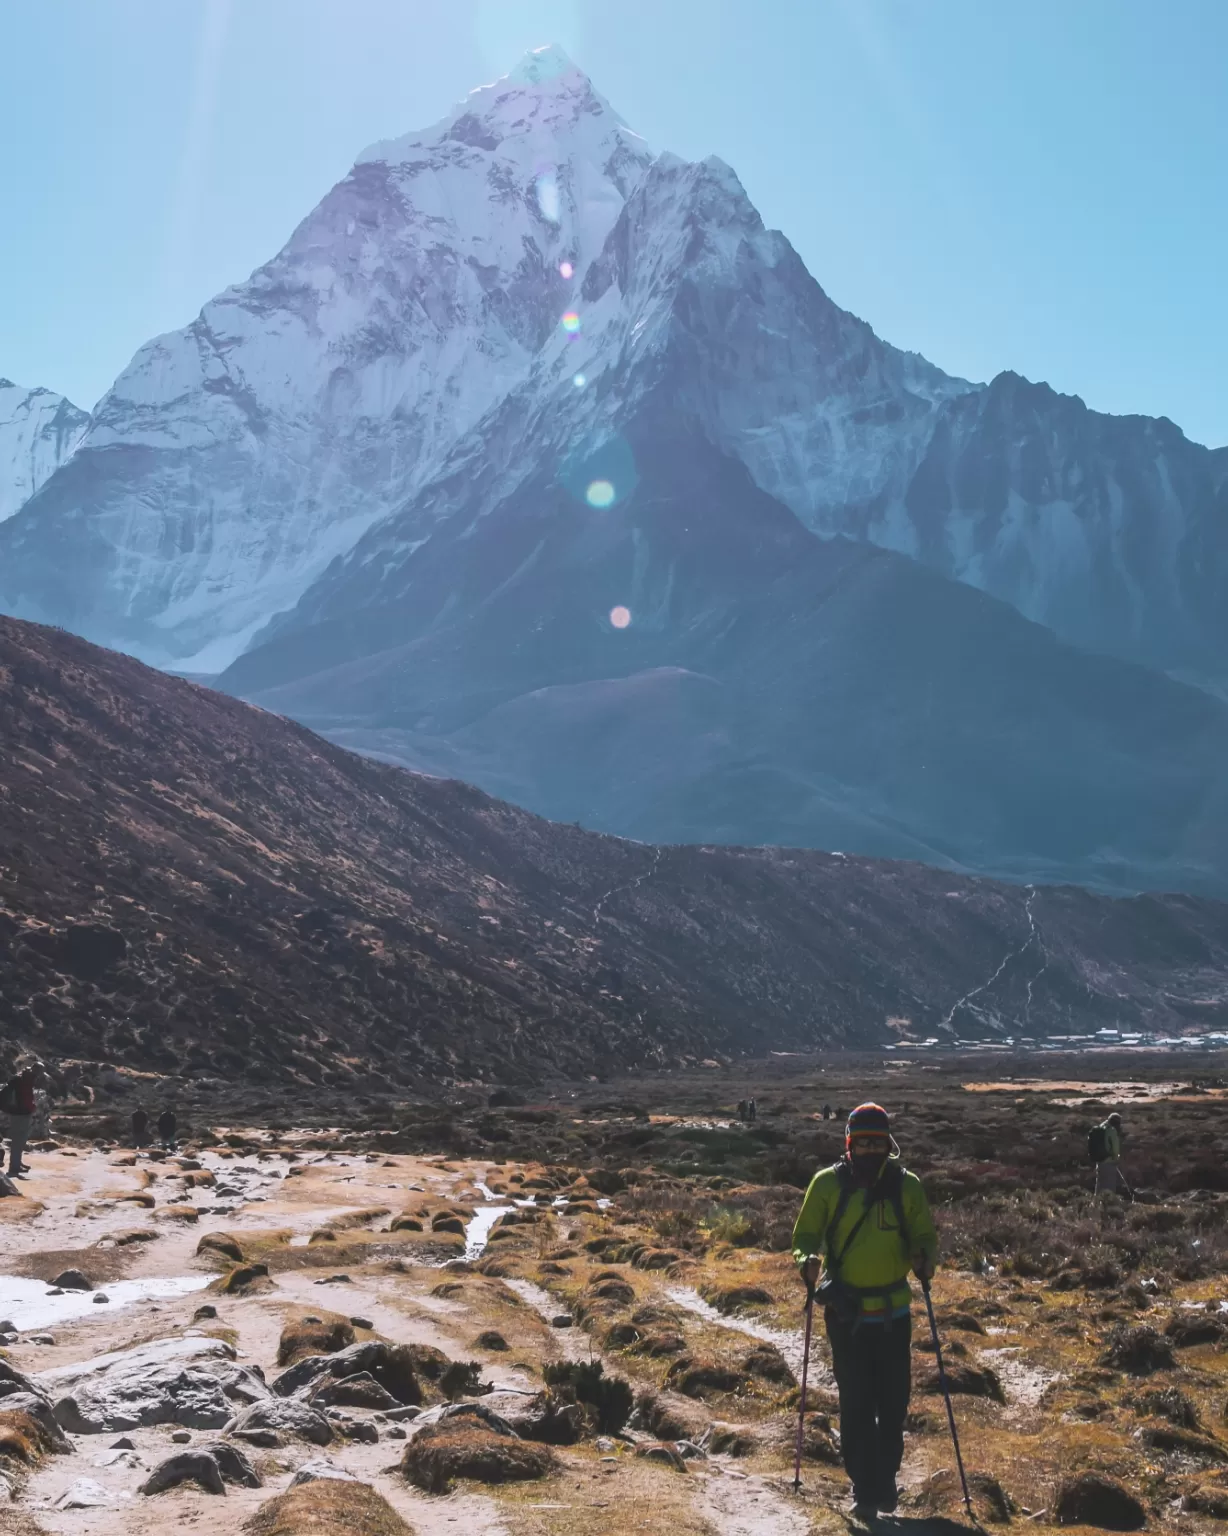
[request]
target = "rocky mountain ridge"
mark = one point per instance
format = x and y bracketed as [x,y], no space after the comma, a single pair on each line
[39,431]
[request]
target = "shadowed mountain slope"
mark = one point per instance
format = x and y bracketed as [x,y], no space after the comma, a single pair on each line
[190,884]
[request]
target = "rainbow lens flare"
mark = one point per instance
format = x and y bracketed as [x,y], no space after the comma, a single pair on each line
[566,270]
[579,381]
[571,323]
[620,617]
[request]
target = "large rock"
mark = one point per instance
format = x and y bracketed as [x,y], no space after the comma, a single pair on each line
[287,1416]
[186,1467]
[540,1416]
[393,1366]
[195,1382]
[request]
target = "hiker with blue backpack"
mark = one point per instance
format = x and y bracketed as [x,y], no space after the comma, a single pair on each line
[869,1219]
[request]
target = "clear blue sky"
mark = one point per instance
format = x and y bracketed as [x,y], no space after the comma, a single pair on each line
[1030,184]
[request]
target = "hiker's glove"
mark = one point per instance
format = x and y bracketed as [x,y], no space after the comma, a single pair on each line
[810,1270]
[923,1267]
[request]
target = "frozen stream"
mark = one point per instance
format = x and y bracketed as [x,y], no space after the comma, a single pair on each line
[28,1305]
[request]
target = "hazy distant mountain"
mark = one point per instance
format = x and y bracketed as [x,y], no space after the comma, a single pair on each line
[38,431]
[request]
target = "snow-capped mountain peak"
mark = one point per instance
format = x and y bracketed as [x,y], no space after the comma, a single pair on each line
[233,460]
[38,431]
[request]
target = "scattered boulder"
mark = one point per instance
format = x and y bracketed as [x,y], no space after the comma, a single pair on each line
[441,1453]
[85,1493]
[195,1382]
[548,1417]
[357,1391]
[284,1416]
[34,1406]
[731,1440]
[665,1452]
[1092,1499]
[317,1468]
[394,1366]
[221,1243]
[73,1280]
[23,1437]
[186,1467]
[492,1340]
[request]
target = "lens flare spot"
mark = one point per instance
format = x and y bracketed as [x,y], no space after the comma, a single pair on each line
[566,270]
[620,617]
[547,187]
[600,493]
[579,381]
[571,323]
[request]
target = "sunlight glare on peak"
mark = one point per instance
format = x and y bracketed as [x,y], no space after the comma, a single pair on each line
[548,200]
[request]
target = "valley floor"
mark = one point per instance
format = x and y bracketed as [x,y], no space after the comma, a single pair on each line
[1083,1338]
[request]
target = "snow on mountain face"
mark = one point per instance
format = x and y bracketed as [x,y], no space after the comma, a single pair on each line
[690,294]
[234,459]
[38,431]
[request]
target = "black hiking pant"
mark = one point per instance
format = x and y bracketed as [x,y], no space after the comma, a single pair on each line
[873,1366]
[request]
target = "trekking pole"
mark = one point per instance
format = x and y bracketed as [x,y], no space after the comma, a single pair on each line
[946,1392]
[801,1411]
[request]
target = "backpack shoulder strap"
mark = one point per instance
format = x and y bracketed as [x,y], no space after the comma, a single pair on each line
[894,1183]
[844,1176]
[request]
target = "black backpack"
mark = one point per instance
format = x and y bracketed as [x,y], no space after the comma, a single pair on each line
[8,1098]
[1098,1143]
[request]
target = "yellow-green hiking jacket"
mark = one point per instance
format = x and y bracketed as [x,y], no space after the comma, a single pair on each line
[878,1258]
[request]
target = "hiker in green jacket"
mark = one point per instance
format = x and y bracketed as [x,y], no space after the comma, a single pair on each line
[1104,1143]
[870,1220]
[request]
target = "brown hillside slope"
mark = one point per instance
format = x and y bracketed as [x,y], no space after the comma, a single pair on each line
[190,885]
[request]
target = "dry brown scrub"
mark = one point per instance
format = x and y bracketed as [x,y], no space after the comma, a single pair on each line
[329,1506]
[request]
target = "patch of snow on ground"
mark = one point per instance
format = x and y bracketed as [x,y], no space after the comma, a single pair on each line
[28,1304]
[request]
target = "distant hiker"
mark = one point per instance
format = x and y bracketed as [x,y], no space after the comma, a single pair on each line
[168,1125]
[838,1112]
[17,1102]
[870,1220]
[741,1109]
[140,1128]
[1104,1150]
[751,1109]
[827,1111]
